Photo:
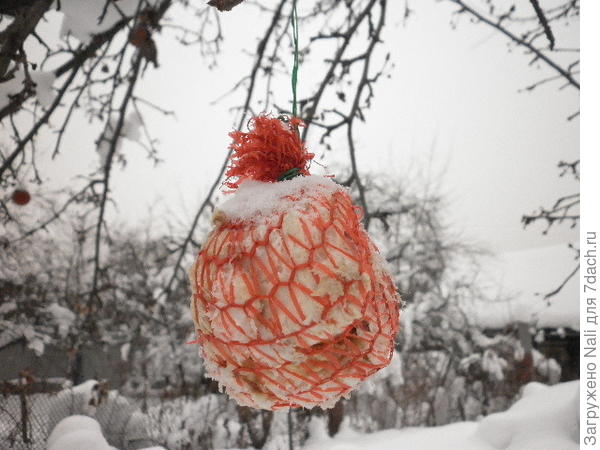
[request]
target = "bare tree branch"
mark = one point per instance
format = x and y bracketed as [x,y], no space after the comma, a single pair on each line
[544,22]
[563,284]
[326,80]
[260,51]
[7,163]
[12,39]
[114,140]
[519,41]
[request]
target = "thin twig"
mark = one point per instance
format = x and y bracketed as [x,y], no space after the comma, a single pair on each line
[563,284]
[537,52]
[27,138]
[114,140]
[543,22]
[260,50]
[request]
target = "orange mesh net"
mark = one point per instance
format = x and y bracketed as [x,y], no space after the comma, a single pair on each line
[297,313]
[296,308]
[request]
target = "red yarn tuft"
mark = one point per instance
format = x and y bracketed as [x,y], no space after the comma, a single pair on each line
[270,149]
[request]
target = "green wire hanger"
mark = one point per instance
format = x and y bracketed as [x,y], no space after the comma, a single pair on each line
[294,21]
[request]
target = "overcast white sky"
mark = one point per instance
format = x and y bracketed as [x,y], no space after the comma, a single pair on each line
[451,108]
[452,92]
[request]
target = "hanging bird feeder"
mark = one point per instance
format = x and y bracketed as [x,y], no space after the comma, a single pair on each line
[292,302]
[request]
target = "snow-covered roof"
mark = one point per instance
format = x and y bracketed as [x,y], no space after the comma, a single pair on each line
[525,277]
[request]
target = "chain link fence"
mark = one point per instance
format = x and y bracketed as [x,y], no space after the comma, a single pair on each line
[30,411]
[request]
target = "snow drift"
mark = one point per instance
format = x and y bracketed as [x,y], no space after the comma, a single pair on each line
[545,418]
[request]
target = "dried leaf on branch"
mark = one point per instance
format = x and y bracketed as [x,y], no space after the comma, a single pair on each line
[224,5]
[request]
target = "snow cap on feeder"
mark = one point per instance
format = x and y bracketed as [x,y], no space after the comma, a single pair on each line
[293,305]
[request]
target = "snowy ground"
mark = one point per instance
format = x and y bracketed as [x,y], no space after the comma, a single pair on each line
[79,433]
[546,418]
